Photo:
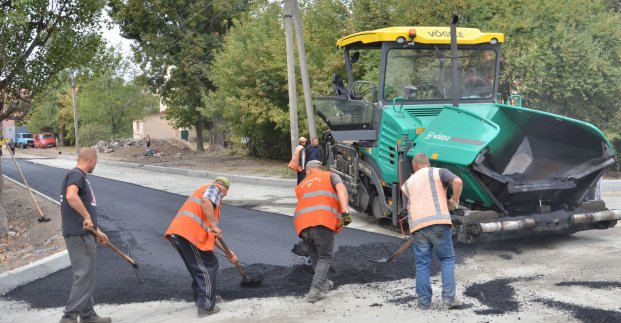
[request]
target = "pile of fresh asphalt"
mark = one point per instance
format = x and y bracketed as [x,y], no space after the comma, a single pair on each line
[350,267]
[498,295]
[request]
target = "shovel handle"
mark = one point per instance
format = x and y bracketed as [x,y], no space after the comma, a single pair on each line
[230,255]
[115,249]
[399,251]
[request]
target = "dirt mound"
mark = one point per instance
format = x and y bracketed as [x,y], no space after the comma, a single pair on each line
[131,148]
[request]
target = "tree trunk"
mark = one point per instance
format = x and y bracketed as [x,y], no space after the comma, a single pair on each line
[4,225]
[218,131]
[199,133]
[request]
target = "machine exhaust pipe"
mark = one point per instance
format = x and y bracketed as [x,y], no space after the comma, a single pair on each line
[454,76]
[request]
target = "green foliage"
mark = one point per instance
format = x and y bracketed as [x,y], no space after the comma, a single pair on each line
[38,40]
[107,104]
[250,72]
[175,43]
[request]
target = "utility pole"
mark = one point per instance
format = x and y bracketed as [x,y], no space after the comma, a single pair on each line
[293,105]
[75,113]
[308,98]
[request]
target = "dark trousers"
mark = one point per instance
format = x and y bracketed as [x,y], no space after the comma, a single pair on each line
[203,267]
[83,256]
[301,176]
[319,241]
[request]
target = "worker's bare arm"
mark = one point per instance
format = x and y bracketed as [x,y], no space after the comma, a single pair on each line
[76,203]
[211,217]
[457,186]
[341,191]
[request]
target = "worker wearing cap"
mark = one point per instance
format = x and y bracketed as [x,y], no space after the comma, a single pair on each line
[322,211]
[193,234]
[425,194]
[298,161]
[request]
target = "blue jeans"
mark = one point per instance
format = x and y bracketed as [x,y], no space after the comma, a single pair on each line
[427,239]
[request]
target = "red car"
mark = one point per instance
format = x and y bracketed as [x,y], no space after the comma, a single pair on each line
[44,140]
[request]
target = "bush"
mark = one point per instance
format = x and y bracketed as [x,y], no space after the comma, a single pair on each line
[90,134]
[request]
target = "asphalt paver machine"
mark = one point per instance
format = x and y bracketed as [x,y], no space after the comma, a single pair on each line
[418,89]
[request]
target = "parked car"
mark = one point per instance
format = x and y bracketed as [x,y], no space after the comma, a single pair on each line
[24,139]
[44,140]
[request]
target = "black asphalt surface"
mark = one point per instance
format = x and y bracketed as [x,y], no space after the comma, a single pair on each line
[136,217]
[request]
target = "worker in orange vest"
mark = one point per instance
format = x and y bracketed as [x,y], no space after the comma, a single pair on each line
[298,159]
[193,234]
[322,212]
[425,194]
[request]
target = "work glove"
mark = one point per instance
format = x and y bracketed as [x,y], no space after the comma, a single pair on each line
[345,218]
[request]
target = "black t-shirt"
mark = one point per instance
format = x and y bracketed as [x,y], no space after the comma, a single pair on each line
[72,220]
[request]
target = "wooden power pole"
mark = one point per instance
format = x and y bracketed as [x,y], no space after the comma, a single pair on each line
[293,105]
[308,98]
[75,113]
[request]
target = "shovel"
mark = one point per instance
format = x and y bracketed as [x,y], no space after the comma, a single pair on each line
[247,281]
[42,217]
[397,253]
[124,256]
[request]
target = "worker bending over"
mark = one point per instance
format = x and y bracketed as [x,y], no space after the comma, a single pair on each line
[430,224]
[193,234]
[322,212]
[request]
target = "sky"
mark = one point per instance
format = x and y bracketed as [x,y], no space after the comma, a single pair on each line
[113,37]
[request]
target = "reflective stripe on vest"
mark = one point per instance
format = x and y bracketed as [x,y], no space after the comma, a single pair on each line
[316,193]
[428,203]
[316,208]
[195,218]
[318,203]
[195,199]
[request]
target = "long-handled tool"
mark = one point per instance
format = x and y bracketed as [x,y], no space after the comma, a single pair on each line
[397,253]
[41,218]
[123,255]
[247,281]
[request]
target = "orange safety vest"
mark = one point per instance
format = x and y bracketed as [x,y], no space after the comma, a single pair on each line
[428,204]
[192,224]
[295,159]
[318,203]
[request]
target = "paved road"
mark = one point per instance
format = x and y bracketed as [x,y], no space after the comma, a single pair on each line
[137,217]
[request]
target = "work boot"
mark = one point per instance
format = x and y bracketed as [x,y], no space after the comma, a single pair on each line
[69,318]
[424,306]
[314,295]
[328,285]
[452,303]
[94,318]
[203,312]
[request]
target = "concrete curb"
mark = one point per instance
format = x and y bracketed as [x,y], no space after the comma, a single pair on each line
[256,180]
[35,270]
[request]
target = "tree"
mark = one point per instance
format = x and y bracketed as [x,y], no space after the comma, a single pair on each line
[250,73]
[39,39]
[107,103]
[175,41]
